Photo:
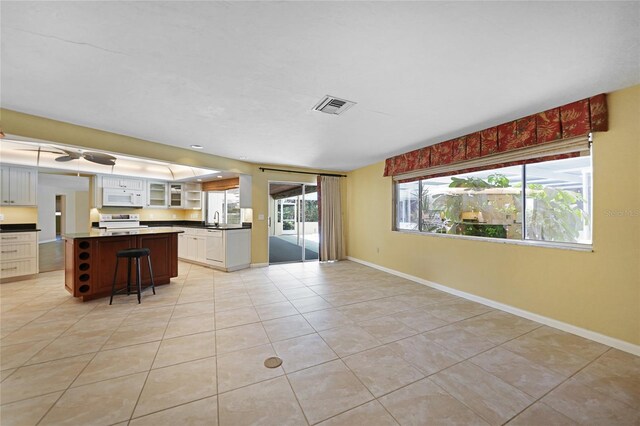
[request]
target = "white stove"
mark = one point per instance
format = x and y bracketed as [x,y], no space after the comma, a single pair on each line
[120,221]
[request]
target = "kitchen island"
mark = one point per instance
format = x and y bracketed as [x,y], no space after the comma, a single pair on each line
[90,259]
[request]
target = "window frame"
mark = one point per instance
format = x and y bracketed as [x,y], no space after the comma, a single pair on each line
[586,247]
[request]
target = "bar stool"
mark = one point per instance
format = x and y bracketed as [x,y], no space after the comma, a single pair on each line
[134,253]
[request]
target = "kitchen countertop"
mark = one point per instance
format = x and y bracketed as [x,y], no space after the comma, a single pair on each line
[218,228]
[101,233]
[19,227]
[185,224]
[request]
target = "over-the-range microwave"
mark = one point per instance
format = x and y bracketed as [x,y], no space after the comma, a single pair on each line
[122,197]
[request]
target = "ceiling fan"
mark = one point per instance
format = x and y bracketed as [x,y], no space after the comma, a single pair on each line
[66,155]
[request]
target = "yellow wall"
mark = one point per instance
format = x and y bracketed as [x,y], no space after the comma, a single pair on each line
[19,215]
[598,291]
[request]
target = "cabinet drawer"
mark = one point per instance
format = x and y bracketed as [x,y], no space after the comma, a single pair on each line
[22,250]
[17,268]
[16,237]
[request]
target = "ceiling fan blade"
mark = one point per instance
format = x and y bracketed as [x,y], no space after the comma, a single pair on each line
[65,158]
[42,150]
[73,154]
[100,158]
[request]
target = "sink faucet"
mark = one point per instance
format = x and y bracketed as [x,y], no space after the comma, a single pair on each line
[216,215]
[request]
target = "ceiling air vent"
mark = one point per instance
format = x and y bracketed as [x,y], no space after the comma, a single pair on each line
[333,105]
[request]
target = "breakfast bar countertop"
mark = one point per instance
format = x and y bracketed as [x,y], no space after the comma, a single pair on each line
[101,232]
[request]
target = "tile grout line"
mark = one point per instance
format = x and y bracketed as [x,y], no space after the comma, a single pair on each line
[285,376]
[144,384]
[539,400]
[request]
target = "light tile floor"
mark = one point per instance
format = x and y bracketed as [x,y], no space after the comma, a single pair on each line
[359,347]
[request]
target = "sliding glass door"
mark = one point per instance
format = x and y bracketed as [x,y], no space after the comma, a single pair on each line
[293,222]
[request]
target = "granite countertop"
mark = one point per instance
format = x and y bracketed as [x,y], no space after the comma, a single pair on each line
[155,224]
[19,227]
[222,227]
[98,233]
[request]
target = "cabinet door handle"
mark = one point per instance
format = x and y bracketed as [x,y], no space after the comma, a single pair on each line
[12,201]
[9,251]
[10,269]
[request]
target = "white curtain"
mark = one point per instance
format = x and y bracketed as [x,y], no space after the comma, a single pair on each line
[331,237]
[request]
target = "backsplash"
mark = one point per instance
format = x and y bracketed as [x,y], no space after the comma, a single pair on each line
[150,214]
[19,214]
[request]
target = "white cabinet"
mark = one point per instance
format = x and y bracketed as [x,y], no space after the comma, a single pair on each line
[175,195]
[182,246]
[192,245]
[19,186]
[157,194]
[185,196]
[192,196]
[18,254]
[215,245]
[229,250]
[122,183]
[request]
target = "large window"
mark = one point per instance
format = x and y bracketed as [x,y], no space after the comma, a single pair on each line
[227,206]
[548,201]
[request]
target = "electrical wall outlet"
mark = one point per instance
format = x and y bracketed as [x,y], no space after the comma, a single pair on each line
[1,217]
[261,216]
[151,216]
[174,216]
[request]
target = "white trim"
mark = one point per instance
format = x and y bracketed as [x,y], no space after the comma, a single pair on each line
[47,241]
[528,243]
[259,265]
[569,328]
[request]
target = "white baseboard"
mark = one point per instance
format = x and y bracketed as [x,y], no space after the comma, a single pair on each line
[259,265]
[46,241]
[569,328]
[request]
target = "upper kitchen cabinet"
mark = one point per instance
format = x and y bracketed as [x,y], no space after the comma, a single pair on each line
[192,196]
[19,186]
[122,183]
[157,194]
[175,195]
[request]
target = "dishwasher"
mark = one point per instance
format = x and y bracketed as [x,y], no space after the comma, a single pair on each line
[215,245]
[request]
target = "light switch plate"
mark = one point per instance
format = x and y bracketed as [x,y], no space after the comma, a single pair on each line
[1,217]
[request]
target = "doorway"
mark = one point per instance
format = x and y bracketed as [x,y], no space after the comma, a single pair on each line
[60,216]
[293,222]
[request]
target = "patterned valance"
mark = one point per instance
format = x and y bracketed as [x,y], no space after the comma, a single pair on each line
[557,124]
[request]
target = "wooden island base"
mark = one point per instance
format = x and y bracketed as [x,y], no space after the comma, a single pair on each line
[90,261]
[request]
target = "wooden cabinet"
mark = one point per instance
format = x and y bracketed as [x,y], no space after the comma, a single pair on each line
[90,262]
[18,254]
[157,194]
[19,186]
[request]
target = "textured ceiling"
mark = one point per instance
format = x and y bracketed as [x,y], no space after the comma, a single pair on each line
[241,78]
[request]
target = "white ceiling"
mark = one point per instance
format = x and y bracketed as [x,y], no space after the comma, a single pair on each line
[240,78]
